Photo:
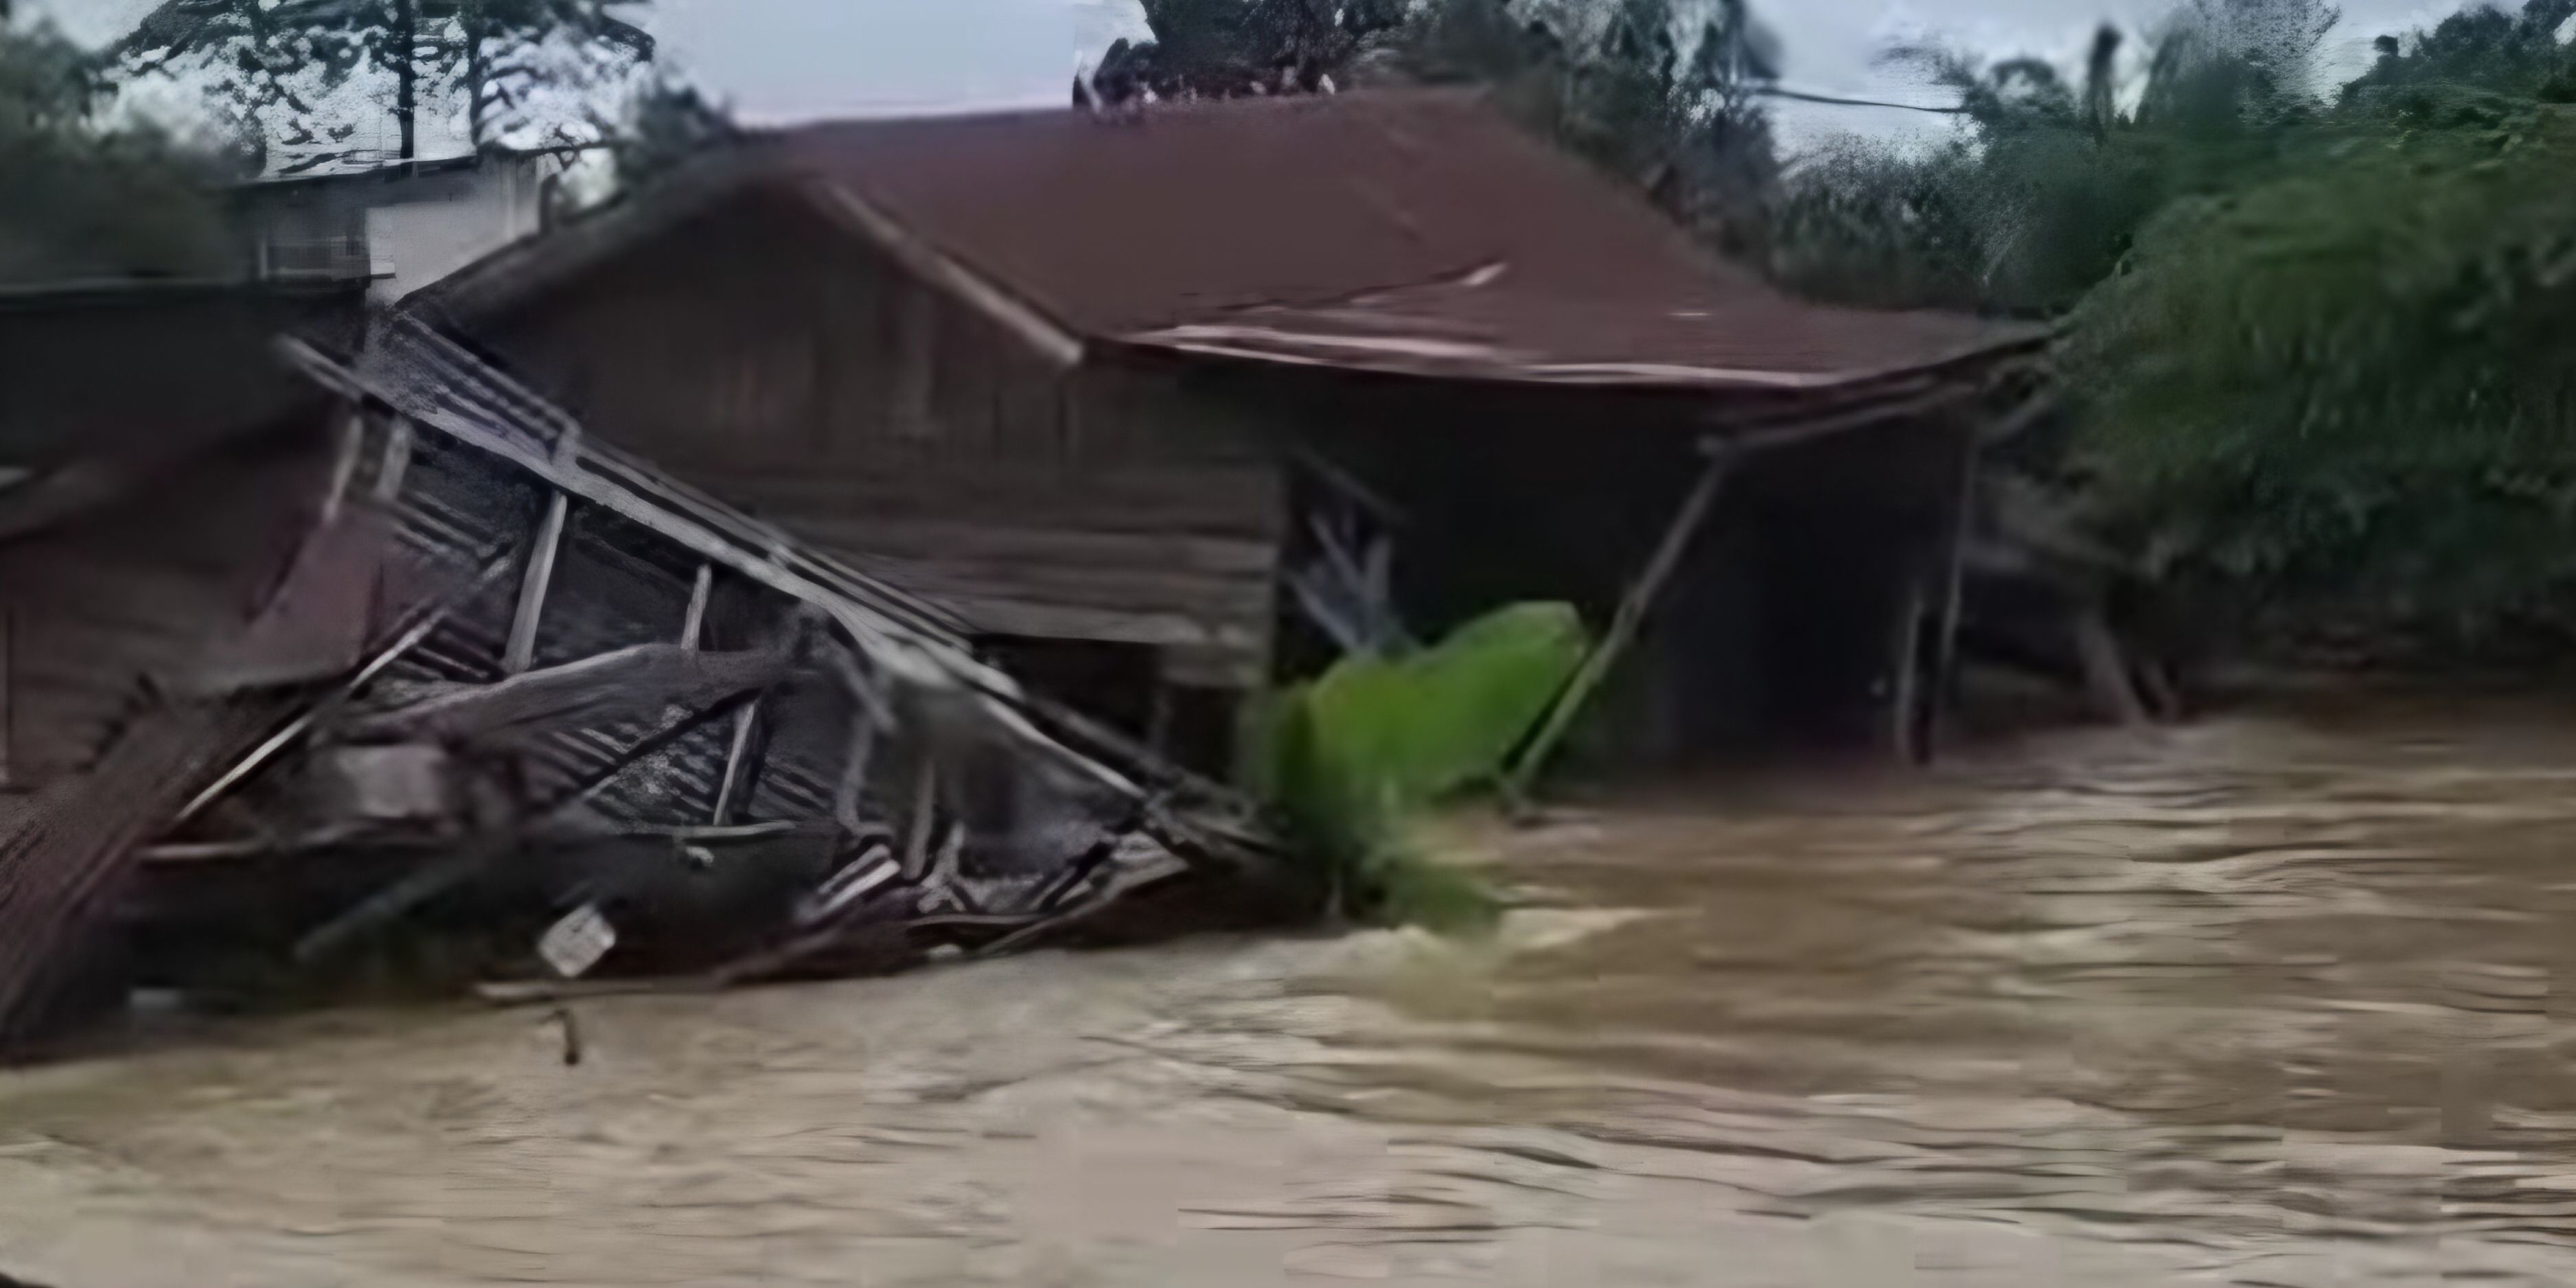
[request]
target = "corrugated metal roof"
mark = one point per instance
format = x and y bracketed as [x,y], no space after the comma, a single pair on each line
[1492,328]
[1416,231]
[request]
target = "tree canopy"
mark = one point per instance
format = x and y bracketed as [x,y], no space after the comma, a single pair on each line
[2340,391]
[665,123]
[86,199]
[312,73]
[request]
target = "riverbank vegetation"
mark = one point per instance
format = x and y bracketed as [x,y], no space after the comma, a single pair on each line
[2311,333]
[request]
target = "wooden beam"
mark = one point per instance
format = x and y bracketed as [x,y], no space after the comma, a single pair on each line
[866,616]
[925,810]
[352,441]
[1042,334]
[410,639]
[693,628]
[1945,659]
[430,881]
[399,439]
[854,771]
[1624,624]
[1906,709]
[522,648]
[736,753]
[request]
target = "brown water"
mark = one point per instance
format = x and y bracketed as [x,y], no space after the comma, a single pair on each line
[2262,1002]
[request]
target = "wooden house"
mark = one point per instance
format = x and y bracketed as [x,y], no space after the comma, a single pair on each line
[1168,406]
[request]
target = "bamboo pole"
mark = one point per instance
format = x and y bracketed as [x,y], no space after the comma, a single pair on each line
[1904,733]
[1624,624]
[1945,663]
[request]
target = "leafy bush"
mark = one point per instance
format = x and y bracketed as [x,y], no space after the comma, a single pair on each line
[1346,761]
[2345,390]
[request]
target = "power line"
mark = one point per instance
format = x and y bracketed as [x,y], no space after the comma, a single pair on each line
[1803,96]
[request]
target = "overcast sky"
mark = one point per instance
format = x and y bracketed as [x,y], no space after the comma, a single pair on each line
[787,60]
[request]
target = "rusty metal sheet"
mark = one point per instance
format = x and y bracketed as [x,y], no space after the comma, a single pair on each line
[1493,327]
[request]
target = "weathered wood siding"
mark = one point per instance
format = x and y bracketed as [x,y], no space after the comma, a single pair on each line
[139,589]
[785,365]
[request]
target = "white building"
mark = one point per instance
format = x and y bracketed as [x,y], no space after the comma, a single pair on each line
[400,225]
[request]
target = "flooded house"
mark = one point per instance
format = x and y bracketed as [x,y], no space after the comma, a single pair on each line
[1167,406]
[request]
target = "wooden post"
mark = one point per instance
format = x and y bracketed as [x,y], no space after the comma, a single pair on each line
[1945,660]
[1623,625]
[522,648]
[739,751]
[925,809]
[396,462]
[693,628]
[344,462]
[854,771]
[1903,729]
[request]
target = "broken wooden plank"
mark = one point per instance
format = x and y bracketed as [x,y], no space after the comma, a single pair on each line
[430,882]
[737,757]
[693,627]
[522,648]
[429,620]
[631,681]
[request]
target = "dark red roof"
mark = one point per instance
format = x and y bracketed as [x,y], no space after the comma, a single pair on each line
[1491,327]
[1415,231]
[1406,230]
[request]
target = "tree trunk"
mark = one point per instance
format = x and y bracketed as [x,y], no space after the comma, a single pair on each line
[406,76]
[474,74]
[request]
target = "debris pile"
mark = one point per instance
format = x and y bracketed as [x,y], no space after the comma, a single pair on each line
[518,676]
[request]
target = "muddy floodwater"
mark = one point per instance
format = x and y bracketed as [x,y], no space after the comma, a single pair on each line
[2271,1000]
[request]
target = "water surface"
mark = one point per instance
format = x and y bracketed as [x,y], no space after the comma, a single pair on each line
[2264,1001]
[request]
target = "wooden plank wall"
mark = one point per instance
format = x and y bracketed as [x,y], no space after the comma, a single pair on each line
[786,366]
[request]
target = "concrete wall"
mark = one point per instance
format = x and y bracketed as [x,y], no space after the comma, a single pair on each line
[439,224]
[403,231]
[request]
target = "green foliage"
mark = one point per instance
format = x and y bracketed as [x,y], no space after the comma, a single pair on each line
[2315,339]
[665,124]
[2345,389]
[1231,48]
[2048,182]
[1346,761]
[1671,105]
[2480,47]
[82,199]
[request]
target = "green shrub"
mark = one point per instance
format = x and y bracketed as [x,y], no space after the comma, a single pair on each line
[2344,393]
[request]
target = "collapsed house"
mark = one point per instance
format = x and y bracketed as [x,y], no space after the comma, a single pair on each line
[1170,406]
[464,658]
